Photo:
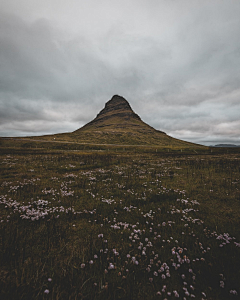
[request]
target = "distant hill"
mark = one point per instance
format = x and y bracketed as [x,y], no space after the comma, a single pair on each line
[225,145]
[118,124]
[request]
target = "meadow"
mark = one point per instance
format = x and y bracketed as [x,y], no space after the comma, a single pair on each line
[111,222]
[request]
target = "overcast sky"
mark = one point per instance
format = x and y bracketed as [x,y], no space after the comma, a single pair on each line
[177,62]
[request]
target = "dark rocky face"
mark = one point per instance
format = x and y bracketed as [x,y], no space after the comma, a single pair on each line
[117,107]
[117,102]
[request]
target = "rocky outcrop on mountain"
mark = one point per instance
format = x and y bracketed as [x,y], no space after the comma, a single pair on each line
[117,106]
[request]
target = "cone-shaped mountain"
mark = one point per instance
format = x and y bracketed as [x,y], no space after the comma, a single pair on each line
[117,123]
[117,115]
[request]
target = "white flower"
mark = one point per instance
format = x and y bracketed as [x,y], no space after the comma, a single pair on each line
[234,292]
[222,284]
[111,266]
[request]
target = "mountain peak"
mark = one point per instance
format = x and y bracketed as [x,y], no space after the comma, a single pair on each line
[118,107]
[118,101]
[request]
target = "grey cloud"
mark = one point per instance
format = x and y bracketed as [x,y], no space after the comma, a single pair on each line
[175,62]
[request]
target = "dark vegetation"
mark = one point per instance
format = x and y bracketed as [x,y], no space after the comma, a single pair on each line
[82,221]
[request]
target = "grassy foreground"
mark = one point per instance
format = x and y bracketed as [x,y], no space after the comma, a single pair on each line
[118,222]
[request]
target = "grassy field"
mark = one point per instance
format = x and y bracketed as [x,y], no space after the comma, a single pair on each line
[114,222]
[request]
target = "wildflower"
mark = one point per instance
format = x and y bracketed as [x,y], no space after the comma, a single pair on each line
[176,294]
[82,266]
[91,262]
[49,279]
[46,291]
[111,266]
[222,284]
[234,292]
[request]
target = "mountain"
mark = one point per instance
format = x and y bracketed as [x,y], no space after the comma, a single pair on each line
[117,117]
[117,123]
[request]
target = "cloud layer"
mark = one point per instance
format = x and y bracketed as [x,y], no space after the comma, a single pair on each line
[176,62]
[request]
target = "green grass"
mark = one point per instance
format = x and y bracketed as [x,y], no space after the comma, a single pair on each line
[164,207]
